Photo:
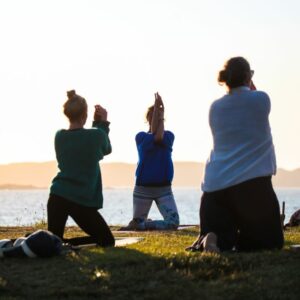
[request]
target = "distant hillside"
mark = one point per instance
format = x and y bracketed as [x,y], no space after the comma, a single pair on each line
[123,174]
[34,174]
[286,178]
[187,174]
[18,187]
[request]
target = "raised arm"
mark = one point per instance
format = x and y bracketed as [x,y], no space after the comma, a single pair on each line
[157,124]
[100,114]
[100,121]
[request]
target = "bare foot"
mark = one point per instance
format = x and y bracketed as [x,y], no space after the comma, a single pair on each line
[210,243]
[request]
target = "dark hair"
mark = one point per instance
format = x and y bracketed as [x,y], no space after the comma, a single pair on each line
[236,72]
[75,106]
[71,94]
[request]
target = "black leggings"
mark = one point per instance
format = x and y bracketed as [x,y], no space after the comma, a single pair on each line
[245,216]
[87,218]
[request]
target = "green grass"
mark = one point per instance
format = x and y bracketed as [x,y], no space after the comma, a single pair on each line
[156,268]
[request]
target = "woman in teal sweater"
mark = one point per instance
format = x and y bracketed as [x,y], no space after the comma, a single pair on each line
[76,190]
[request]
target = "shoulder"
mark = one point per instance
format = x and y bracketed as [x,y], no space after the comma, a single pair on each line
[261,100]
[60,133]
[144,138]
[220,100]
[143,134]
[94,131]
[260,93]
[218,103]
[169,134]
[168,138]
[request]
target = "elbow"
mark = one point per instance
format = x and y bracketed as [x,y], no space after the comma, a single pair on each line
[105,151]
[158,138]
[108,151]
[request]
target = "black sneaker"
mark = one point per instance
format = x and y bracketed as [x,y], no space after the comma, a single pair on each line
[134,225]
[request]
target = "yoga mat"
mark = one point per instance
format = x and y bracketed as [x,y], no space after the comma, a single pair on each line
[120,242]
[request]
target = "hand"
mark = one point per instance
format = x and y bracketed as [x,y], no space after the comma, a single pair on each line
[158,101]
[252,86]
[100,113]
[159,106]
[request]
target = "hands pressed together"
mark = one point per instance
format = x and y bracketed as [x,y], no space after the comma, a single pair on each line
[159,108]
[157,124]
[100,114]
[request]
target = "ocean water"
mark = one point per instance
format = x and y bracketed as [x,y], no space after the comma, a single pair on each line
[26,207]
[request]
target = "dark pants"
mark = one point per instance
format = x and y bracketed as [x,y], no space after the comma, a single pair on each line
[245,216]
[87,218]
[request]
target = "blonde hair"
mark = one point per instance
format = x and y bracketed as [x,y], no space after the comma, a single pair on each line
[149,112]
[75,107]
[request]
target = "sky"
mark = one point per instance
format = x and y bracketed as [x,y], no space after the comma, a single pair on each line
[119,53]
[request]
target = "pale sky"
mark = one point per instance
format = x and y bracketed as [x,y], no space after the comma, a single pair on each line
[119,53]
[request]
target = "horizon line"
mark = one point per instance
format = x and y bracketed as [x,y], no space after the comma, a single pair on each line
[125,162]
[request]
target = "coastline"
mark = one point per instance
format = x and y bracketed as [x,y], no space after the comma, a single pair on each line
[115,175]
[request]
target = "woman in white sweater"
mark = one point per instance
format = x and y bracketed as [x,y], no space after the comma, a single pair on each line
[239,208]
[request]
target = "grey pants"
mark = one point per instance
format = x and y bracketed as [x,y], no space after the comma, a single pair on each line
[164,199]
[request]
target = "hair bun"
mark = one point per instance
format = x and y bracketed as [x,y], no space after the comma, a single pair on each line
[223,76]
[71,94]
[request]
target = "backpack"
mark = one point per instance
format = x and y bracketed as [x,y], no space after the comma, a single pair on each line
[41,243]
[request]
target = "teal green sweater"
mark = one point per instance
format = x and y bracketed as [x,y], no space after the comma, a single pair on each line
[78,153]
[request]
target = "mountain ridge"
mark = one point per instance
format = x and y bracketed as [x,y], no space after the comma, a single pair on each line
[118,174]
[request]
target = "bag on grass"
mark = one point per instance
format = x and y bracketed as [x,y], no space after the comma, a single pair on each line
[41,243]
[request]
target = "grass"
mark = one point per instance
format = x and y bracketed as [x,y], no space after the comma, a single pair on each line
[156,268]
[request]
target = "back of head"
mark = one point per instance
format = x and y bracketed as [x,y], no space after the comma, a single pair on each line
[75,107]
[236,72]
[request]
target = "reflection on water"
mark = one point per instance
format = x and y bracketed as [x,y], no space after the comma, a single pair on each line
[26,207]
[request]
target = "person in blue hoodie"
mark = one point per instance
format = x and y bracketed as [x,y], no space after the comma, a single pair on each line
[154,174]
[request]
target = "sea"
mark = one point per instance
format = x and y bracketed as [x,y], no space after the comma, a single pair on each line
[27,207]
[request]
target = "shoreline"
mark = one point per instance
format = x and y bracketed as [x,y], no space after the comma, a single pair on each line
[29,187]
